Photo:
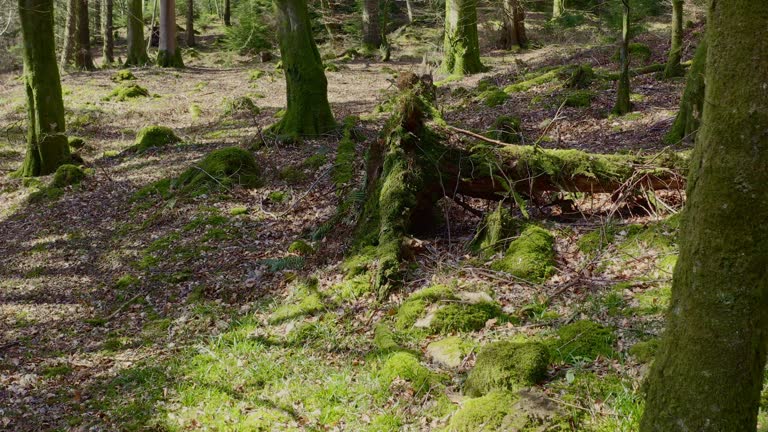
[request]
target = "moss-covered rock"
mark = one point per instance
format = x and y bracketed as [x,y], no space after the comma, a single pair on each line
[409,312]
[506,129]
[493,97]
[126,91]
[485,413]
[240,105]
[531,256]
[154,136]
[222,168]
[76,142]
[507,366]
[301,247]
[583,340]
[406,366]
[645,351]
[450,351]
[461,317]
[434,293]
[67,175]
[496,231]
[578,76]
[123,75]
[579,98]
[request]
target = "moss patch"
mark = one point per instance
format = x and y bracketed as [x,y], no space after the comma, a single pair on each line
[464,317]
[154,136]
[579,98]
[406,366]
[450,351]
[583,340]
[240,105]
[483,414]
[506,129]
[123,75]
[222,168]
[67,175]
[533,81]
[301,247]
[531,256]
[506,366]
[76,142]
[645,351]
[126,91]
[408,313]
[496,231]
[493,97]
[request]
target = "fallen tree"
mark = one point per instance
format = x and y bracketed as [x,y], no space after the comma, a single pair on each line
[410,168]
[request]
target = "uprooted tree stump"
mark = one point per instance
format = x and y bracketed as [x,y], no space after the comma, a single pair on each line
[410,168]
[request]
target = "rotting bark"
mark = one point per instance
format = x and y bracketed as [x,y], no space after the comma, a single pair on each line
[709,370]
[168,53]
[692,103]
[137,51]
[461,50]
[513,25]
[107,31]
[47,146]
[674,67]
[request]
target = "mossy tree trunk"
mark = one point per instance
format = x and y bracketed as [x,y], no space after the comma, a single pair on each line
[709,370]
[168,53]
[623,104]
[372,31]
[558,8]
[47,146]
[96,17]
[83,58]
[107,31]
[227,13]
[70,34]
[190,23]
[513,25]
[307,111]
[137,51]
[674,67]
[461,50]
[692,104]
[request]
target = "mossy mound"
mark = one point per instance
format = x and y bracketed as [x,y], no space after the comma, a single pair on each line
[578,77]
[450,351]
[408,313]
[126,91]
[496,231]
[67,175]
[123,75]
[579,99]
[301,247]
[507,366]
[222,168]
[240,105]
[461,317]
[304,300]
[583,340]
[76,142]
[506,129]
[154,136]
[645,351]
[531,256]
[384,340]
[486,413]
[534,79]
[406,366]
[493,97]
[434,293]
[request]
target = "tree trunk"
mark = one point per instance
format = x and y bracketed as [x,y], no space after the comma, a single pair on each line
[692,104]
[462,49]
[70,34]
[168,54]
[709,370]
[558,8]
[190,23]
[409,9]
[623,105]
[83,58]
[47,146]
[137,52]
[674,67]
[307,112]
[371,25]
[513,25]
[107,31]
[96,19]
[227,13]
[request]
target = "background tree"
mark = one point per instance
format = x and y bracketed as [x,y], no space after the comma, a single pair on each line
[461,51]
[372,31]
[190,23]
[47,146]
[83,58]
[513,25]
[227,13]
[137,51]
[70,34]
[168,54]
[307,111]
[558,8]
[623,104]
[692,104]
[674,67]
[709,371]
[107,31]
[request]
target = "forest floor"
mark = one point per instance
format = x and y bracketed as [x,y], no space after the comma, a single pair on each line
[122,310]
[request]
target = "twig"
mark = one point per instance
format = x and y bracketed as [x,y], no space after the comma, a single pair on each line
[312,186]
[477,136]
[122,306]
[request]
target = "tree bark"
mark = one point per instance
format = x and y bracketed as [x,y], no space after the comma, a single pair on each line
[227,13]
[674,67]
[709,370]
[107,31]
[168,54]
[47,146]
[461,52]
[623,104]
[513,25]
[96,19]
[409,9]
[70,34]
[190,23]
[137,51]
[692,104]
[558,8]
[83,58]
[307,111]
[371,25]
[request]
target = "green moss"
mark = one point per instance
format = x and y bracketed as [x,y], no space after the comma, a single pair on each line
[579,98]
[583,340]
[653,301]
[408,313]
[154,136]
[507,366]
[237,211]
[506,129]
[76,142]
[434,293]
[529,83]
[222,168]
[464,317]
[303,305]
[493,97]
[67,175]
[292,175]
[344,165]
[277,196]
[332,67]
[577,77]
[315,161]
[301,247]
[483,414]
[123,75]
[496,231]
[450,351]
[531,256]
[126,281]
[645,351]
[406,366]
[384,339]
[126,91]
[597,239]
[240,105]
